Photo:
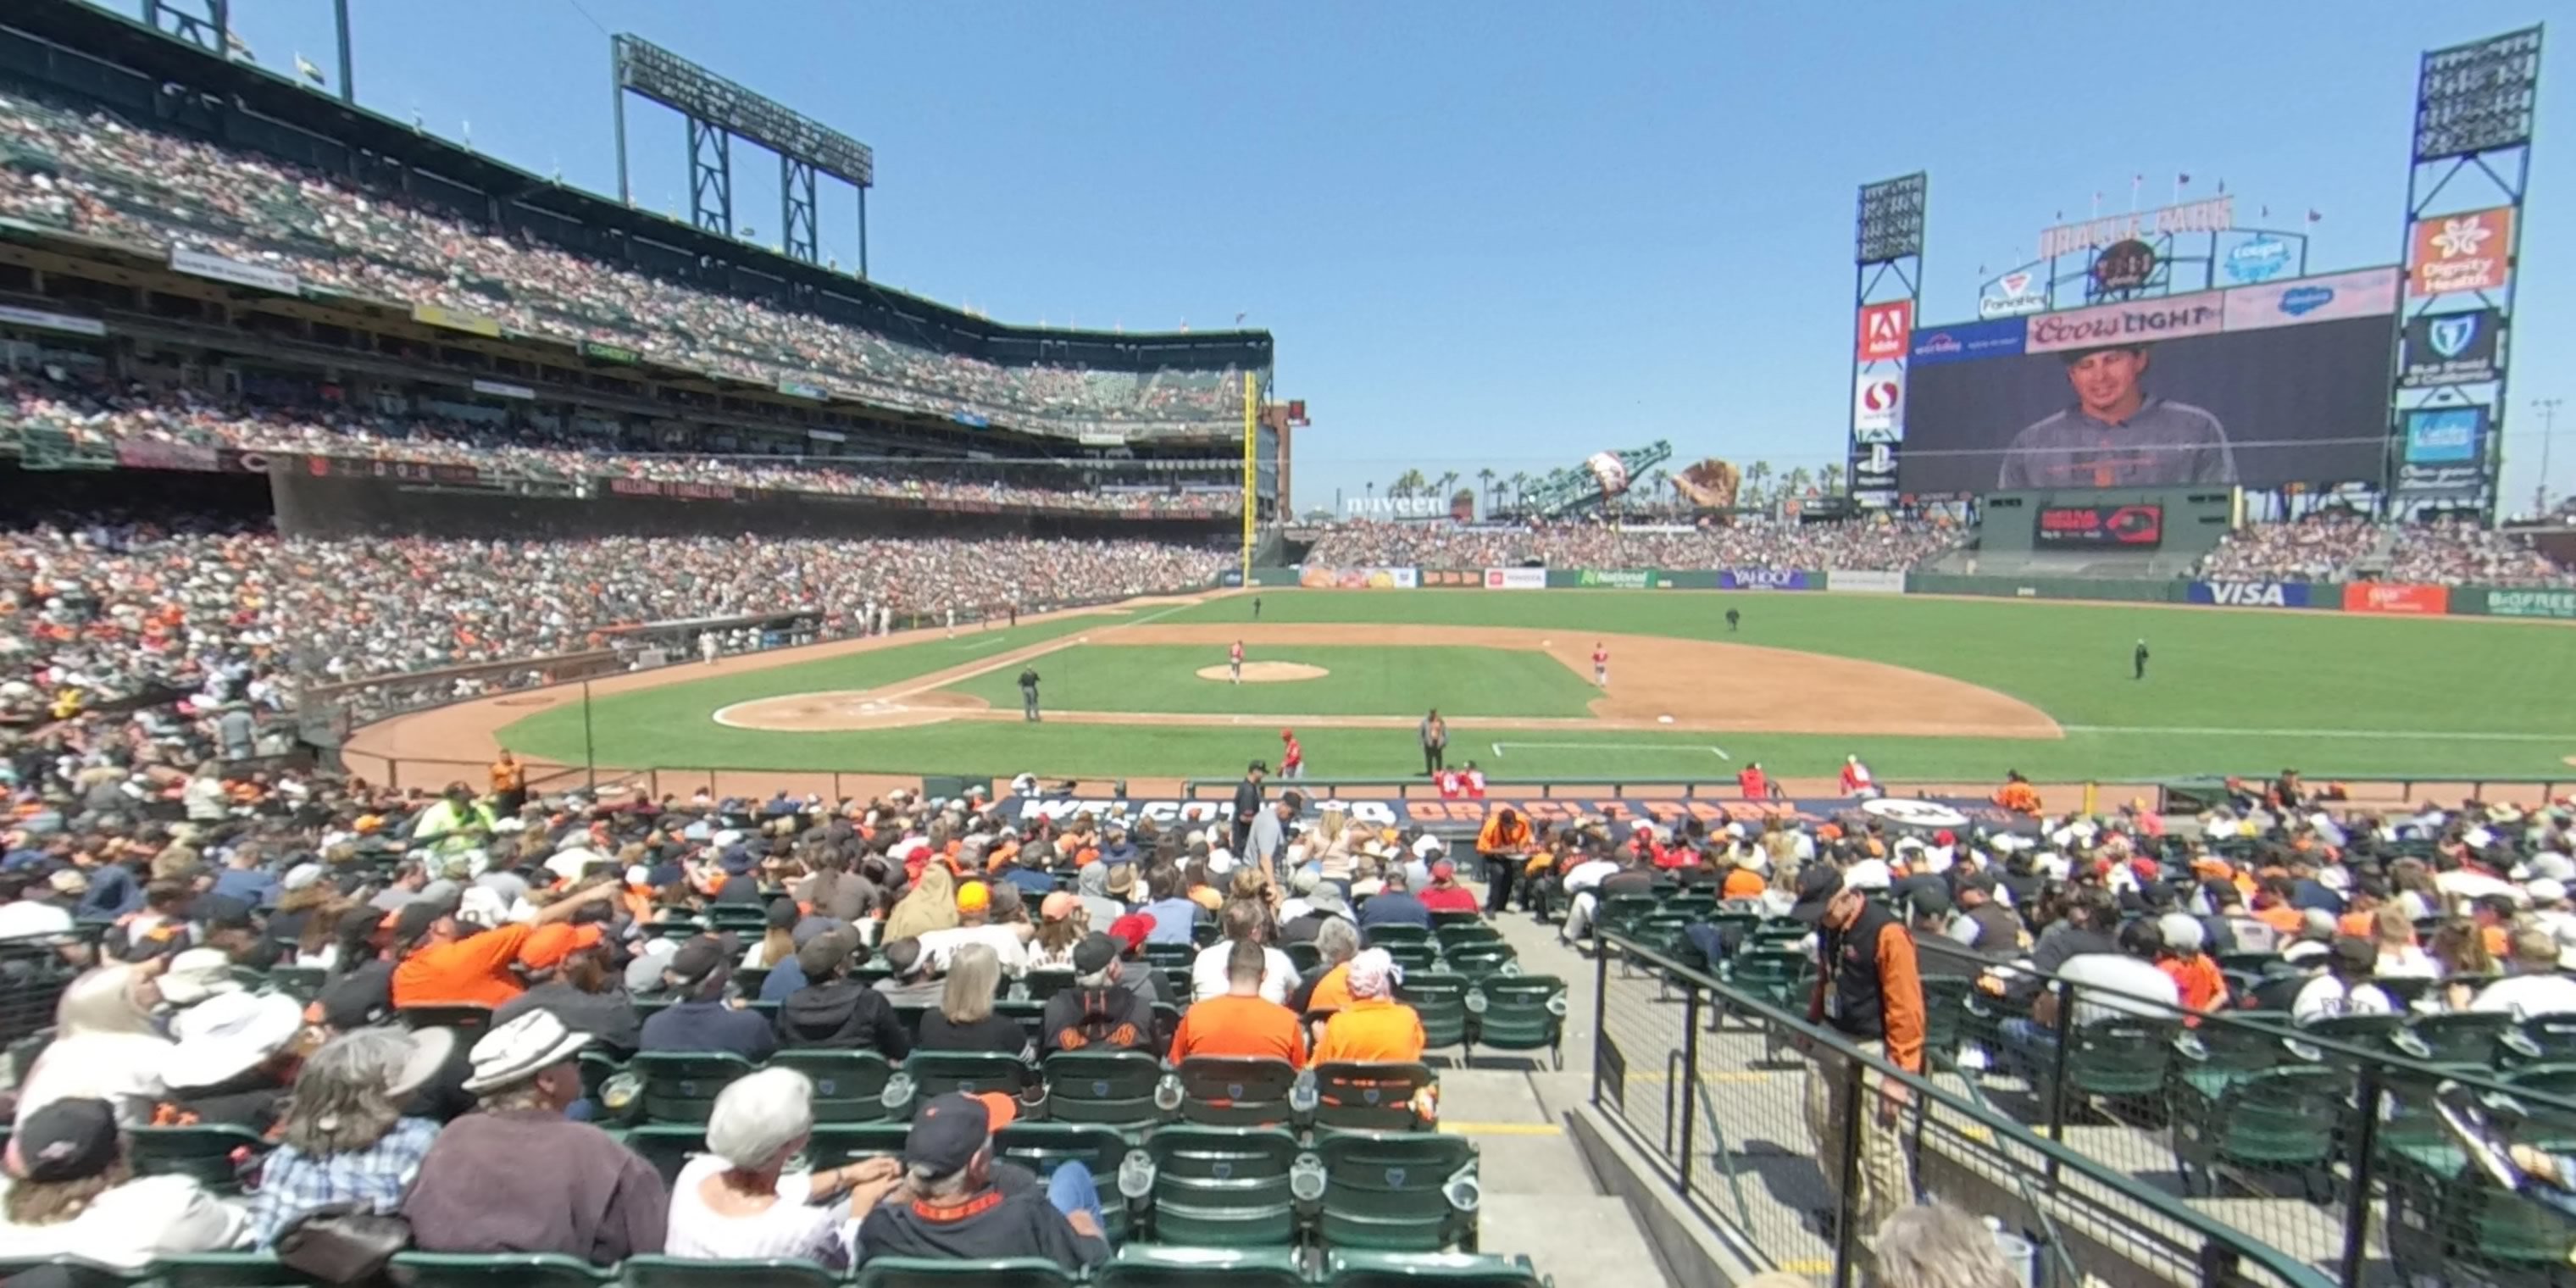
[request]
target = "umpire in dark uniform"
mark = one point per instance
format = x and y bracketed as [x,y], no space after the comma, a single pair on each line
[2138,660]
[1029,693]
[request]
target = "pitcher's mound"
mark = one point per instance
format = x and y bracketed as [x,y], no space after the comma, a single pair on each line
[843,709]
[1267,672]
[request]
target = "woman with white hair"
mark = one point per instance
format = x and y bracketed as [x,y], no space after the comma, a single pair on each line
[344,1138]
[738,1201]
[105,1046]
[1938,1246]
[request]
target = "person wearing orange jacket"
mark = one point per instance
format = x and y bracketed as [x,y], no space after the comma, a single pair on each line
[1869,990]
[1503,843]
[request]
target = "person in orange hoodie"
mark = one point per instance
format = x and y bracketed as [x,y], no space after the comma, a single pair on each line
[2017,794]
[2195,974]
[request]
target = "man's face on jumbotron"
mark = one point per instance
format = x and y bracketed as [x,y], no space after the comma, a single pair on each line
[2106,382]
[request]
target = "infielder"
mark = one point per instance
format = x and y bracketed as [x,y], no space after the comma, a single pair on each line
[1234,662]
[709,647]
[1600,664]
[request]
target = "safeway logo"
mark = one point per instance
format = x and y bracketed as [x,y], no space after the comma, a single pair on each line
[1886,330]
[1879,396]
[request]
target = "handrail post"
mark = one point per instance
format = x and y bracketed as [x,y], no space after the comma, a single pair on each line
[1847,1200]
[2057,1071]
[2363,1164]
[1690,1081]
[1600,1010]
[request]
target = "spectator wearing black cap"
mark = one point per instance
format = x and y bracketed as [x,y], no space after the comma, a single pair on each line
[703,1019]
[1870,990]
[1247,802]
[955,1205]
[70,1190]
[1099,1013]
[835,1012]
[1984,925]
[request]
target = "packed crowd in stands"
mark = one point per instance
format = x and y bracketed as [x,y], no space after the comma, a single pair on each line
[98,611]
[92,414]
[2316,548]
[1869,545]
[2457,554]
[114,179]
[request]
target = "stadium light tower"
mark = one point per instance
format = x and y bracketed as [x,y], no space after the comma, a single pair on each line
[720,111]
[2547,410]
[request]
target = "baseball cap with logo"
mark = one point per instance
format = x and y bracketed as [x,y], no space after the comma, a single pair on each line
[1817,886]
[950,1130]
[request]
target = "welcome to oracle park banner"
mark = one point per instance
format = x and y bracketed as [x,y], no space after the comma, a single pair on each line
[1918,814]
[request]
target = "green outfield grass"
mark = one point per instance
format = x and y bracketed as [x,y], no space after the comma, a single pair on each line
[2227,691]
[1363,681]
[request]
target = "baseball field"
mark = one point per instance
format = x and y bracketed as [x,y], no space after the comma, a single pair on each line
[1921,687]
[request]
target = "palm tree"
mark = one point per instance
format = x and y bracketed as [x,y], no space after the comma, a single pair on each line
[1756,477]
[1409,483]
[1833,478]
[1448,480]
[1796,483]
[1659,481]
[1485,479]
[1520,484]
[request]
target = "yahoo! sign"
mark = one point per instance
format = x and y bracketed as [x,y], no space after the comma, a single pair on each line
[1762,579]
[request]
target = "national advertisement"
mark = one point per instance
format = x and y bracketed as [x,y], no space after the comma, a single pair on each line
[2397,599]
[1357,578]
[2136,526]
[2451,348]
[1763,579]
[200,264]
[12,315]
[2445,450]
[1885,330]
[1620,578]
[2369,293]
[1966,341]
[1906,814]
[1516,579]
[2165,319]
[2469,251]
[616,353]
[1866,583]
[456,320]
[2251,594]
[2559,604]
[1449,578]
[1878,407]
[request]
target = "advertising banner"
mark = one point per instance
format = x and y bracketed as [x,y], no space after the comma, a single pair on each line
[2001,338]
[2140,527]
[2463,252]
[2451,348]
[1450,578]
[678,491]
[143,454]
[2013,294]
[455,320]
[2251,594]
[1885,330]
[2396,599]
[1619,578]
[1866,583]
[616,353]
[1916,814]
[2259,258]
[2445,450]
[2559,604]
[1516,579]
[803,389]
[199,264]
[503,389]
[1877,407]
[1873,466]
[2370,293]
[2169,318]
[1357,578]
[12,315]
[371,468]
[1763,579]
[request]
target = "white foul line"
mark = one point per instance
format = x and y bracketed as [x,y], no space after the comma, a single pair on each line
[1718,752]
[2213,731]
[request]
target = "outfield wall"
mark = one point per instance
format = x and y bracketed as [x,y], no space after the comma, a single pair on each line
[2378,598]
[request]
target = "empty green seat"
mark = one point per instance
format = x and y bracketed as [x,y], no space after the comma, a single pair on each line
[1441,1001]
[1353,1095]
[1483,961]
[303,983]
[937,1073]
[849,1086]
[225,1270]
[836,1144]
[1358,1269]
[1159,1266]
[2118,1058]
[1945,1014]
[681,1087]
[1398,1191]
[1304,956]
[1390,936]
[1414,956]
[1165,955]
[1443,920]
[1622,914]
[1523,1013]
[1039,985]
[939,1272]
[666,1145]
[2283,1117]
[215,1155]
[503,1270]
[2465,1037]
[1236,1091]
[1043,1147]
[680,1272]
[1462,933]
[1115,1088]
[1223,1187]
[2542,1039]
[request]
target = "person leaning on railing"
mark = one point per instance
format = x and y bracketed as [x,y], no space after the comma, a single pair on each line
[1869,989]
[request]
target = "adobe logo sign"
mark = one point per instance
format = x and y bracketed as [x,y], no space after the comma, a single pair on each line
[1886,330]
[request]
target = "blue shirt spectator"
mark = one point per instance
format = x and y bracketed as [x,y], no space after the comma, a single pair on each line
[1174,919]
[1393,906]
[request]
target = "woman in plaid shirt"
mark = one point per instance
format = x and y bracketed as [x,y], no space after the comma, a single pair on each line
[345,1137]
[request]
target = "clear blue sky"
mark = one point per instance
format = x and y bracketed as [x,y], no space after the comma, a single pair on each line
[1497,234]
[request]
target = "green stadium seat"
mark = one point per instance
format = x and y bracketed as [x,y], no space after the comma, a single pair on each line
[597,1067]
[1483,961]
[1522,1013]
[849,1086]
[1461,933]
[1043,1147]
[934,1272]
[748,979]
[680,1272]
[673,928]
[1389,936]
[77,1272]
[1779,932]
[835,1144]
[2467,1037]
[1353,1095]
[2279,1118]
[1355,1269]
[2542,1039]
[1623,914]
[1443,920]
[1392,1191]
[303,983]
[1158,1266]
[937,1073]
[666,1146]
[1223,1187]
[681,1086]
[2120,1059]
[1168,955]
[225,1270]
[1304,956]
[1232,1091]
[1945,1016]
[506,1270]
[1413,957]
[217,1156]
[468,1021]
[2557,1079]
[1113,1088]
[1441,1001]
[1039,985]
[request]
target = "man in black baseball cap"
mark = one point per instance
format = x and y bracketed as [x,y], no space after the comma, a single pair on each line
[1869,990]
[952,1205]
[1099,1013]
[704,1019]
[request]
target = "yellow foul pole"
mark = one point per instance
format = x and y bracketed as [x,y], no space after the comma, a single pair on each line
[1251,425]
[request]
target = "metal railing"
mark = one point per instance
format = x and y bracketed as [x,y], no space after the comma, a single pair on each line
[1726,1092]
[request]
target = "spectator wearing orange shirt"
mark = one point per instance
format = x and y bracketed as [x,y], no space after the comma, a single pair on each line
[1744,879]
[2196,977]
[441,967]
[2017,794]
[1241,1022]
[1373,1026]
